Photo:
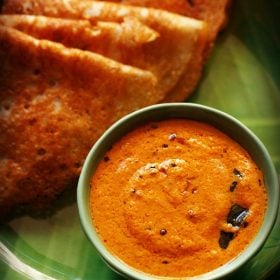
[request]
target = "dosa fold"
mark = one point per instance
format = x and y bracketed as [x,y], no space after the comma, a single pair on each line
[54,104]
[168,56]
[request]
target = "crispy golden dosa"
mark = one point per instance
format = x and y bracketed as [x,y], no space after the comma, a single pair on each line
[214,13]
[82,34]
[167,56]
[54,103]
[147,50]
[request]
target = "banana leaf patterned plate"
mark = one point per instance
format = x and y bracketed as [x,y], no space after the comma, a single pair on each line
[242,78]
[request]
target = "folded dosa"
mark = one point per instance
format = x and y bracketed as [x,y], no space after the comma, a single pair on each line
[212,12]
[167,56]
[54,103]
[82,34]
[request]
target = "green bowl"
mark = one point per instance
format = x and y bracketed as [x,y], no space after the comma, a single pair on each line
[220,120]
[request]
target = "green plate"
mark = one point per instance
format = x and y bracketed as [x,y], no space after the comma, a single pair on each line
[242,78]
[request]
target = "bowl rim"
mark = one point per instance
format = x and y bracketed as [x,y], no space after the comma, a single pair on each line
[93,158]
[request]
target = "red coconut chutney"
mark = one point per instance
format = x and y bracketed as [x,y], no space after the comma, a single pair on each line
[175,195]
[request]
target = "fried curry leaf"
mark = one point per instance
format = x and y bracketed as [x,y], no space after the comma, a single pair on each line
[237,215]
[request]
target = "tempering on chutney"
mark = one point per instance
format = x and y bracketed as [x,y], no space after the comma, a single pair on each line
[179,193]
